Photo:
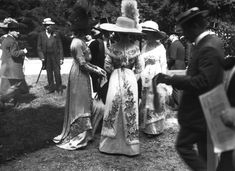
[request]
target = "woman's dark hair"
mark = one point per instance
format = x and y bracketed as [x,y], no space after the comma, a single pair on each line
[80,32]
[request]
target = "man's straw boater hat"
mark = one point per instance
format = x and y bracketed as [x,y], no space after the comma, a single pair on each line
[128,22]
[48,21]
[189,14]
[151,26]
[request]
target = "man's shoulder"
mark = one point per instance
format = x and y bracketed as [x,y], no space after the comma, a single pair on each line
[177,43]
[212,41]
[41,34]
[214,37]
[8,39]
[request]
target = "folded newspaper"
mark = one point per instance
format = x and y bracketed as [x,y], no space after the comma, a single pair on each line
[176,72]
[213,103]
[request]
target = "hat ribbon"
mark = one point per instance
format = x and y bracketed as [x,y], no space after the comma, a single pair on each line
[150,28]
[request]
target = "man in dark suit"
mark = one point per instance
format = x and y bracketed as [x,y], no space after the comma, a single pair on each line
[12,77]
[50,51]
[176,53]
[176,57]
[205,71]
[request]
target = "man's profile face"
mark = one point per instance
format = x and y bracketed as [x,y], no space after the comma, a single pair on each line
[49,28]
[188,33]
[15,33]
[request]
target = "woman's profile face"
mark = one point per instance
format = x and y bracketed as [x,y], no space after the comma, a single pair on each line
[150,35]
[123,35]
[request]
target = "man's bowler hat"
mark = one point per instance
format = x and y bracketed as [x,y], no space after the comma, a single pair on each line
[189,14]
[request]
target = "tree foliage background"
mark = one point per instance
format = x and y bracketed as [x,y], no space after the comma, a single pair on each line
[32,12]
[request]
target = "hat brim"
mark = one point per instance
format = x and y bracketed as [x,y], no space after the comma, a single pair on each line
[176,33]
[159,34]
[18,27]
[114,28]
[2,25]
[204,13]
[97,28]
[48,23]
[95,31]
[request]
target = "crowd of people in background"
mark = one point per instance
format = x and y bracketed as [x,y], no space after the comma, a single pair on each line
[119,79]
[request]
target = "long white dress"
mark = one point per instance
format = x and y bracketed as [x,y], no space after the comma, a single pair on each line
[152,118]
[120,130]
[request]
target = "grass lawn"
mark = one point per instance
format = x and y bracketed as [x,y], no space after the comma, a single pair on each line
[26,134]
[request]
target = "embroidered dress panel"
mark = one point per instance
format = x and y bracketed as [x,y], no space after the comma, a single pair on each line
[120,131]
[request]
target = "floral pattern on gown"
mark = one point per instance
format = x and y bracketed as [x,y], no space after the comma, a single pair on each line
[77,127]
[152,119]
[120,131]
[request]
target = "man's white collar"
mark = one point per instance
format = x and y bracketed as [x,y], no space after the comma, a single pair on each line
[11,35]
[202,35]
[48,34]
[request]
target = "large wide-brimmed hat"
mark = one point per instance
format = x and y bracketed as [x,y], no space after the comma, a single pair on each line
[2,25]
[128,22]
[123,24]
[48,21]
[10,24]
[151,26]
[189,14]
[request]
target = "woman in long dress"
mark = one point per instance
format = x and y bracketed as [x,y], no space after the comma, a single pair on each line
[77,127]
[152,107]
[120,130]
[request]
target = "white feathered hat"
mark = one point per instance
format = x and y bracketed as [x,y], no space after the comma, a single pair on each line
[128,22]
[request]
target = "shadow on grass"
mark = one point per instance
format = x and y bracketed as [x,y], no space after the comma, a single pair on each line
[26,98]
[29,129]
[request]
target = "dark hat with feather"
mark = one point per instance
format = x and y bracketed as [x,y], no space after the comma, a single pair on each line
[79,18]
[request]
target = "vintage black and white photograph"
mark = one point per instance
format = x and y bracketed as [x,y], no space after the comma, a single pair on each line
[117,85]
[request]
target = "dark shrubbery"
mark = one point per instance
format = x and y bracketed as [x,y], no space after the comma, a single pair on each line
[32,12]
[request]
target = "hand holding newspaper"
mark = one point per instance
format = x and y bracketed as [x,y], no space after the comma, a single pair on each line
[213,104]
